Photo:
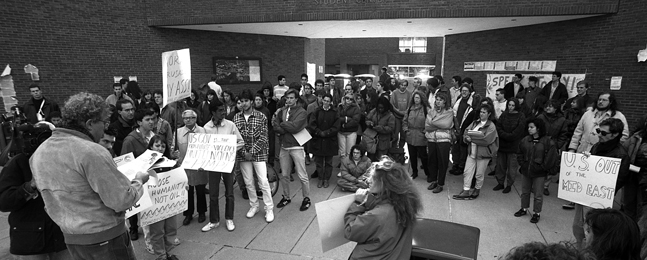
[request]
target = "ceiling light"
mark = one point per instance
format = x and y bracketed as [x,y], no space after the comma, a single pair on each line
[219,26]
[285,32]
[363,30]
[450,29]
[409,22]
[300,24]
[514,20]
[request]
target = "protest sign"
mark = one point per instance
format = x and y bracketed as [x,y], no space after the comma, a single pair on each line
[497,81]
[330,217]
[169,196]
[143,203]
[140,164]
[589,181]
[176,75]
[210,152]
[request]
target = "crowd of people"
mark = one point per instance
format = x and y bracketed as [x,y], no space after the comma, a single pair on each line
[366,124]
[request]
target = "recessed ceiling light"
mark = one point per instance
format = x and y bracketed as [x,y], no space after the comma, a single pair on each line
[300,24]
[285,32]
[450,29]
[404,35]
[363,30]
[219,26]
[514,20]
[409,21]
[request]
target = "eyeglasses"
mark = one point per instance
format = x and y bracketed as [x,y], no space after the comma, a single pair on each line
[603,133]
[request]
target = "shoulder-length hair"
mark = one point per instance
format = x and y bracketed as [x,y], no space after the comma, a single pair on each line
[613,103]
[159,138]
[443,96]
[615,235]
[489,109]
[423,101]
[539,124]
[398,189]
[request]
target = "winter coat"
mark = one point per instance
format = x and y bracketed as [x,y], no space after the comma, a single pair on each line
[560,94]
[614,149]
[536,157]
[349,117]
[204,115]
[351,171]
[384,125]
[584,136]
[414,126]
[30,109]
[556,127]
[134,143]
[32,231]
[123,129]
[572,117]
[486,146]
[297,121]
[439,126]
[323,127]
[511,128]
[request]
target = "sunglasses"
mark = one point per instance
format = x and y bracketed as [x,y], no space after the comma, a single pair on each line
[603,133]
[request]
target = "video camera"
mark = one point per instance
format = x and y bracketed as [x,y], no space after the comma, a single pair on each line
[31,136]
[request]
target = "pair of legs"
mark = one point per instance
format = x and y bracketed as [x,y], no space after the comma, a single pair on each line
[345,141]
[459,154]
[324,168]
[399,136]
[416,152]
[287,157]
[438,161]
[474,168]
[260,168]
[507,168]
[214,205]
[201,200]
[532,184]
[119,247]
[162,235]
[60,255]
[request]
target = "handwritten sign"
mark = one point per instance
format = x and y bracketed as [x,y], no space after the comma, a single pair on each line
[330,217]
[169,197]
[496,81]
[176,75]
[211,152]
[143,203]
[589,181]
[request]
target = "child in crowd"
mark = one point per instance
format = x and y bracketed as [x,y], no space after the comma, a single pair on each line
[160,237]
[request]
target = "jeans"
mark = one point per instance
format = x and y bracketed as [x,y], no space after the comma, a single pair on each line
[271,153]
[202,200]
[474,167]
[214,185]
[117,248]
[459,153]
[416,152]
[60,255]
[399,137]
[133,221]
[324,167]
[438,161]
[528,184]
[507,167]
[346,140]
[162,235]
[260,168]
[287,157]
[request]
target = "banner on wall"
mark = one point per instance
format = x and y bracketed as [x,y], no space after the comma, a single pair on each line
[588,180]
[176,75]
[496,81]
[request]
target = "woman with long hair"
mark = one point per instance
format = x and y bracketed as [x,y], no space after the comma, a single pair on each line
[439,126]
[229,100]
[382,121]
[610,234]
[483,143]
[381,218]
[324,126]
[413,124]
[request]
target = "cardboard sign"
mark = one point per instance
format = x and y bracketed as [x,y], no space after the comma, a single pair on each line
[210,152]
[176,75]
[130,166]
[169,196]
[497,81]
[330,217]
[143,203]
[589,181]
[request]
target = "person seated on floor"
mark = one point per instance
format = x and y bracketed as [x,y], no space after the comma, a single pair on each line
[554,251]
[381,219]
[352,168]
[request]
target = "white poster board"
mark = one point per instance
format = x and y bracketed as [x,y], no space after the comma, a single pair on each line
[497,81]
[169,196]
[589,181]
[210,152]
[176,75]
[330,217]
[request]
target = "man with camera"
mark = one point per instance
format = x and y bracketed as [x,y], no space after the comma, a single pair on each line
[38,107]
[83,191]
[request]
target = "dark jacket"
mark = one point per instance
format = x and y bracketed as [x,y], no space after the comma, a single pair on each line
[30,109]
[614,149]
[509,90]
[384,126]
[349,117]
[511,128]
[572,117]
[556,127]
[536,157]
[134,143]
[584,102]
[204,115]
[297,121]
[123,129]
[323,127]
[32,231]
[560,94]
[634,194]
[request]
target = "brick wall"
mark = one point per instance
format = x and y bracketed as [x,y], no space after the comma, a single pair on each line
[81,45]
[602,46]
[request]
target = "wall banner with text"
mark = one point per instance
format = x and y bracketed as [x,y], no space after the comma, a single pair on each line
[176,75]
[210,152]
[169,196]
[589,181]
[496,81]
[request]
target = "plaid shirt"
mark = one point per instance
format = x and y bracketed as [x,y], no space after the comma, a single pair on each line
[254,132]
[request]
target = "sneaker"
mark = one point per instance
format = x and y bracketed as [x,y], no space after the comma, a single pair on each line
[176,241]
[535,218]
[305,205]
[171,257]
[230,225]
[339,175]
[283,202]
[269,216]
[463,195]
[210,226]
[498,187]
[438,189]
[252,211]
[507,189]
[201,217]
[475,194]
[569,206]
[134,234]
[546,192]
[433,185]
[491,173]
[149,247]
[521,212]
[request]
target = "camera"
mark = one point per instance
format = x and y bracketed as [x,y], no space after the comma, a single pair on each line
[31,136]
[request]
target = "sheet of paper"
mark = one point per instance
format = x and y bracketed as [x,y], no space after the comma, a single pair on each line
[330,216]
[548,65]
[6,71]
[116,79]
[303,136]
[126,158]
[616,82]
[499,65]
[142,204]
[488,65]
[140,164]
[535,65]
[132,78]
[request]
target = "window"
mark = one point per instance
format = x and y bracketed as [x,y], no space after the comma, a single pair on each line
[413,44]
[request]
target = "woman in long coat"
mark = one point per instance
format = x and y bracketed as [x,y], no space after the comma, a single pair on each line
[323,126]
